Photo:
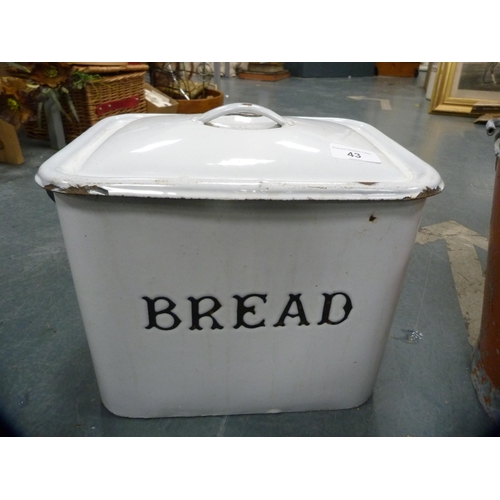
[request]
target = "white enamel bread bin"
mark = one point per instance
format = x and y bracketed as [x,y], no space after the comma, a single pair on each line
[237,261]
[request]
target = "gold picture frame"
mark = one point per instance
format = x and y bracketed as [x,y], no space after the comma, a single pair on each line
[460,86]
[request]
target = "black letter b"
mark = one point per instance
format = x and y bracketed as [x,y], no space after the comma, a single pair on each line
[153,313]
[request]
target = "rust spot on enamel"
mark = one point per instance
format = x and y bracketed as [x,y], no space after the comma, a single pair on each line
[80,190]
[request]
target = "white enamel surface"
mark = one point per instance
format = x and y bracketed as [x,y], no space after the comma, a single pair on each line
[123,249]
[237,157]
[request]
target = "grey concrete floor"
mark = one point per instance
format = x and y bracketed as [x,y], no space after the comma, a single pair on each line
[47,382]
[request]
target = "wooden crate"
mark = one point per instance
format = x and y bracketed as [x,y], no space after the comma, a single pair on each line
[214,99]
[10,150]
[409,69]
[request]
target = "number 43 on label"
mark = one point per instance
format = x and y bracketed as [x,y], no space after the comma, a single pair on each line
[346,153]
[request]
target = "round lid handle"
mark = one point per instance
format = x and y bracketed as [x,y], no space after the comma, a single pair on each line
[242,108]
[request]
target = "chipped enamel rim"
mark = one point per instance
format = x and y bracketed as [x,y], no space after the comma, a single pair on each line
[61,173]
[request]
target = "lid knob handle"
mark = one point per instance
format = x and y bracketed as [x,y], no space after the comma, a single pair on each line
[242,108]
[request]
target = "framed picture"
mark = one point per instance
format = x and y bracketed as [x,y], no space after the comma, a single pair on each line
[459,86]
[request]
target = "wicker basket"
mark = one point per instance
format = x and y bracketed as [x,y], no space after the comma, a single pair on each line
[119,90]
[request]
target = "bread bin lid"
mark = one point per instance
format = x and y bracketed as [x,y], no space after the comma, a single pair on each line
[238,152]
